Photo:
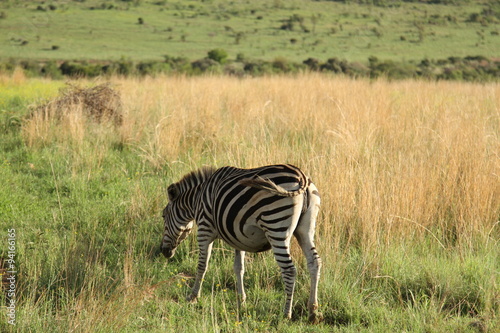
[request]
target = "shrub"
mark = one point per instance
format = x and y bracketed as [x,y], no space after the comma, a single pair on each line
[80,69]
[179,64]
[30,67]
[51,70]
[240,57]
[470,68]
[125,67]
[205,65]
[391,69]
[257,67]
[152,68]
[218,55]
[289,23]
[281,64]
[334,65]
[235,69]
[238,36]
[312,64]
[357,69]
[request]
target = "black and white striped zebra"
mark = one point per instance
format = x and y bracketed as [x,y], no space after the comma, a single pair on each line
[252,210]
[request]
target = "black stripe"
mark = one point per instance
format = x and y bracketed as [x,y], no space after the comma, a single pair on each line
[284,262]
[278,239]
[221,207]
[282,229]
[236,208]
[278,180]
[251,210]
[277,220]
[287,272]
[276,210]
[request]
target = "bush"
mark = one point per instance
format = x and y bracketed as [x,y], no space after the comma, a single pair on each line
[80,69]
[471,68]
[152,68]
[289,23]
[312,64]
[258,67]
[178,64]
[281,64]
[51,70]
[334,65]
[205,65]
[30,67]
[218,55]
[235,69]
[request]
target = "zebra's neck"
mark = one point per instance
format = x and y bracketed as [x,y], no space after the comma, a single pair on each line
[190,187]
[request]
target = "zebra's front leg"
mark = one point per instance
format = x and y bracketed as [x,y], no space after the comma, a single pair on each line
[239,270]
[203,259]
[288,272]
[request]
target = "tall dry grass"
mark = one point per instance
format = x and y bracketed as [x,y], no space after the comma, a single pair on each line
[393,160]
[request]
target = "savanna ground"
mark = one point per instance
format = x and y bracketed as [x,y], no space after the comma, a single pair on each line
[408,231]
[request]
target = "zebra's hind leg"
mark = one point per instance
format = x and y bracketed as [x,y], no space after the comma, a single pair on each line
[314,267]
[239,270]
[281,250]
[305,236]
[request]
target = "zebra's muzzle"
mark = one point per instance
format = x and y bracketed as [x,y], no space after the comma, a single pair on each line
[167,252]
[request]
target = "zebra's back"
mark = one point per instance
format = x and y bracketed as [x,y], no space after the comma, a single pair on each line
[247,214]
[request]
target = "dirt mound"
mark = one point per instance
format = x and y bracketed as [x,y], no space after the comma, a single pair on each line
[100,103]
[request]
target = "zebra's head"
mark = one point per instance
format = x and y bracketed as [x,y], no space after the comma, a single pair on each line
[178,221]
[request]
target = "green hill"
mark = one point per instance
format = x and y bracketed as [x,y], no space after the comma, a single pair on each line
[142,30]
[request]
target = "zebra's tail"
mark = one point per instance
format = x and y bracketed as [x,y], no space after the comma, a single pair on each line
[268,185]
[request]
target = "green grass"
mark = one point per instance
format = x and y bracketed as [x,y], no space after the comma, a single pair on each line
[88,229]
[192,28]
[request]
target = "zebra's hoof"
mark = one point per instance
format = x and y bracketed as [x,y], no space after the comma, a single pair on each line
[242,300]
[315,317]
[192,298]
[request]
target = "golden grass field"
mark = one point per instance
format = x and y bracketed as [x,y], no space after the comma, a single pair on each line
[398,164]
[392,159]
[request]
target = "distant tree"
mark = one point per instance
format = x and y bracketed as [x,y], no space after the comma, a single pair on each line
[312,63]
[238,36]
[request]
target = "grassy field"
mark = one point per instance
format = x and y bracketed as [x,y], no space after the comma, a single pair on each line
[408,231]
[294,30]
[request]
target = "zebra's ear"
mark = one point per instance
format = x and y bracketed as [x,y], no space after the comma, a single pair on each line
[173,192]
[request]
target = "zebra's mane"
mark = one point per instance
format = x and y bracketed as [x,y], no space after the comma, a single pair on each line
[196,177]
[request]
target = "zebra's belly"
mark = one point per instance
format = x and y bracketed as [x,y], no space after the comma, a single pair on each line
[252,239]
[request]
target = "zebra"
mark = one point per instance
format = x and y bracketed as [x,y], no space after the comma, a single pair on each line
[252,210]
